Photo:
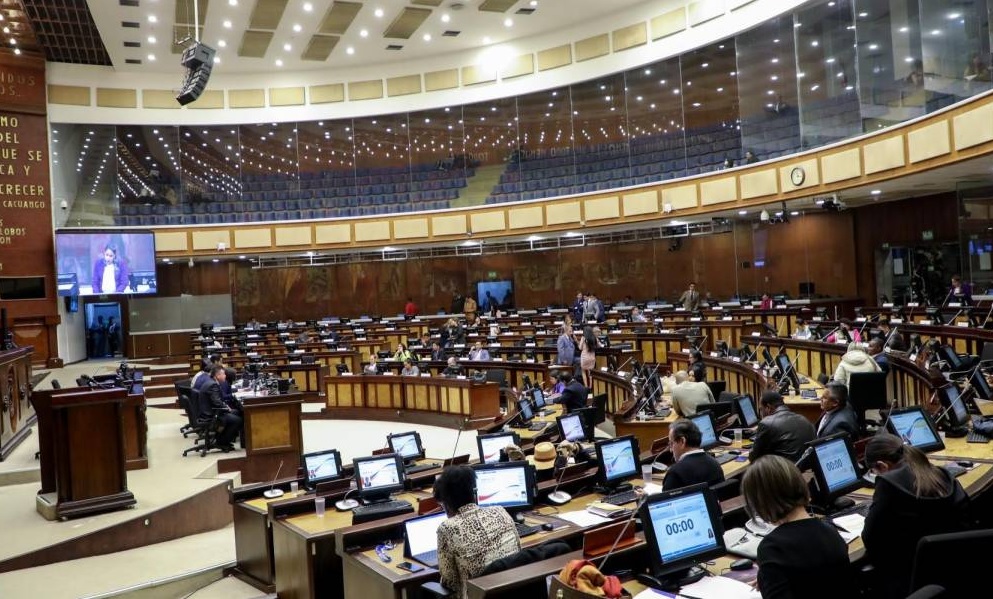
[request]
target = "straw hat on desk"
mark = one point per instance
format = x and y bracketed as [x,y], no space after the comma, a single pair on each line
[544,456]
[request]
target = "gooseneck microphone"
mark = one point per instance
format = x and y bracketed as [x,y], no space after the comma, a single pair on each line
[560,497]
[273,492]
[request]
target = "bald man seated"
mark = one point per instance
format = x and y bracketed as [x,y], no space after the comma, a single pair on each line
[688,395]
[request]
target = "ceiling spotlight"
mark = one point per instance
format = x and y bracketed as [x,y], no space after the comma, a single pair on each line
[445,18]
[427,37]
[297,28]
[153,19]
[151,39]
[364,33]
[232,2]
[221,43]
[379,13]
[349,50]
[151,58]
[307,7]
[226,24]
[287,47]
[508,22]
[279,62]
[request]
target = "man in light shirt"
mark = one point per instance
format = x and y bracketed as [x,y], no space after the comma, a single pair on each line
[688,396]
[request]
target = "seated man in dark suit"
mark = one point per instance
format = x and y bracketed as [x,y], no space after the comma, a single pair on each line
[692,464]
[781,431]
[574,395]
[212,400]
[437,354]
[453,368]
[838,416]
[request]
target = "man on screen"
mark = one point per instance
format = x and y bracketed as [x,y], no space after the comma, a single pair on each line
[109,274]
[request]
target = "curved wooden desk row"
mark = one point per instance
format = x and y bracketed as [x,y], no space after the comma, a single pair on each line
[16,410]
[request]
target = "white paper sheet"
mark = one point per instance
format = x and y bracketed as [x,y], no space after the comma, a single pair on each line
[718,587]
[582,518]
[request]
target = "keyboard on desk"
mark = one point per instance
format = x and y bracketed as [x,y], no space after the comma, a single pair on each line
[621,498]
[538,426]
[526,530]
[955,470]
[974,437]
[808,393]
[724,458]
[377,511]
[420,468]
[862,509]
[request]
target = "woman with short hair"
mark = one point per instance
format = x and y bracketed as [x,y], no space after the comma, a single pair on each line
[802,556]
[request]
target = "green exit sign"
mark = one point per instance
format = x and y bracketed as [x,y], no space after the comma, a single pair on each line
[927,234]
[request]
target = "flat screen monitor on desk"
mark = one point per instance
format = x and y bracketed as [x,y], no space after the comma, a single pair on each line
[618,461]
[376,477]
[952,405]
[407,445]
[682,528]
[420,538]
[573,427]
[978,382]
[491,445]
[915,428]
[509,485]
[321,466]
[708,430]
[835,471]
[539,397]
[786,369]
[745,409]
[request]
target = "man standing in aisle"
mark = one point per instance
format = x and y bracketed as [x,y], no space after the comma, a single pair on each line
[690,298]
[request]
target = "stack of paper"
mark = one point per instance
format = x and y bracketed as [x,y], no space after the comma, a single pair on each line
[718,587]
[851,526]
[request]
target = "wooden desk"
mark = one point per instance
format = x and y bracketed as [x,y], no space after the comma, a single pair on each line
[135,432]
[424,400]
[15,396]
[273,435]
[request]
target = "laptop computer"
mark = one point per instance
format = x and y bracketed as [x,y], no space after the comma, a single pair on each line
[420,538]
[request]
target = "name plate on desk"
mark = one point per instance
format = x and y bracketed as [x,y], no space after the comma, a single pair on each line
[685,350]
[735,359]
[463,359]
[714,354]
[415,320]
[498,359]
[459,345]
[860,319]
[695,319]
[726,318]
[529,361]
[954,304]
[426,374]
[756,334]
[755,366]
[817,318]
[530,344]
[460,377]
[888,305]
[360,339]
[390,329]
[781,306]
[622,320]
[927,322]
[558,322]
[913,305]
[749,307]
[658,320]
[494,345]
[666,331]
[346,374]
[603,369]
[896,320]
[962,324]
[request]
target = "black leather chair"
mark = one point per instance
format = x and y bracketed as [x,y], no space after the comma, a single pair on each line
[867,391]
[184,390]
[727,489]
[931,591]
[515,560]
[954,561]
[599,408]
[206,427]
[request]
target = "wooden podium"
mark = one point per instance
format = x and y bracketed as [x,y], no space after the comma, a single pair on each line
[83,462]
[273,436]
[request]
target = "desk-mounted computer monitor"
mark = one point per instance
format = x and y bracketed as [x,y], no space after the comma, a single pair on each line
[491,445]
[538,397]
[915,428]
[618,461]
[745,408]
[574,427]
[786,369]
[406,445]
[509,485]
[321,466]
[708,429]
[682,528]
[835,471]
[376,477]
[978,382]
[953,406]
[526,414]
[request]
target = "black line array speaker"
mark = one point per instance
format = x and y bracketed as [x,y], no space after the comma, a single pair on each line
[198,60]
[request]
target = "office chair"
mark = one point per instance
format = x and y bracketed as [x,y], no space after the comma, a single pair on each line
[514,560]
[206,427]
[951,560]
[717,387]
[727,489]
[183,392]
[599,408]
[867,391]
[931,591]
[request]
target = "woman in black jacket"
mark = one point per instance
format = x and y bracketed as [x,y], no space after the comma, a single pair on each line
[913,499]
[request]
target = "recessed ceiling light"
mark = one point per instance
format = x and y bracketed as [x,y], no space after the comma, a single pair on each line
[153,19]
[379,13]
[279,62]
[534,2]
[364,33]
[445,18]
[217,60]
[151,58]
[287,47]
[349,50]
[232,2]
[221,43]
[427,37]
[307,7]
[151,39]
[227,24]
[486,39]
[297,28]
[508,22]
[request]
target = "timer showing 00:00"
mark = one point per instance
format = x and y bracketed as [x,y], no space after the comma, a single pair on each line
[678,526]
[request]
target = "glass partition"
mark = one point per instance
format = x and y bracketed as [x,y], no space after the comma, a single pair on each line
[824,73]
[770,122]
